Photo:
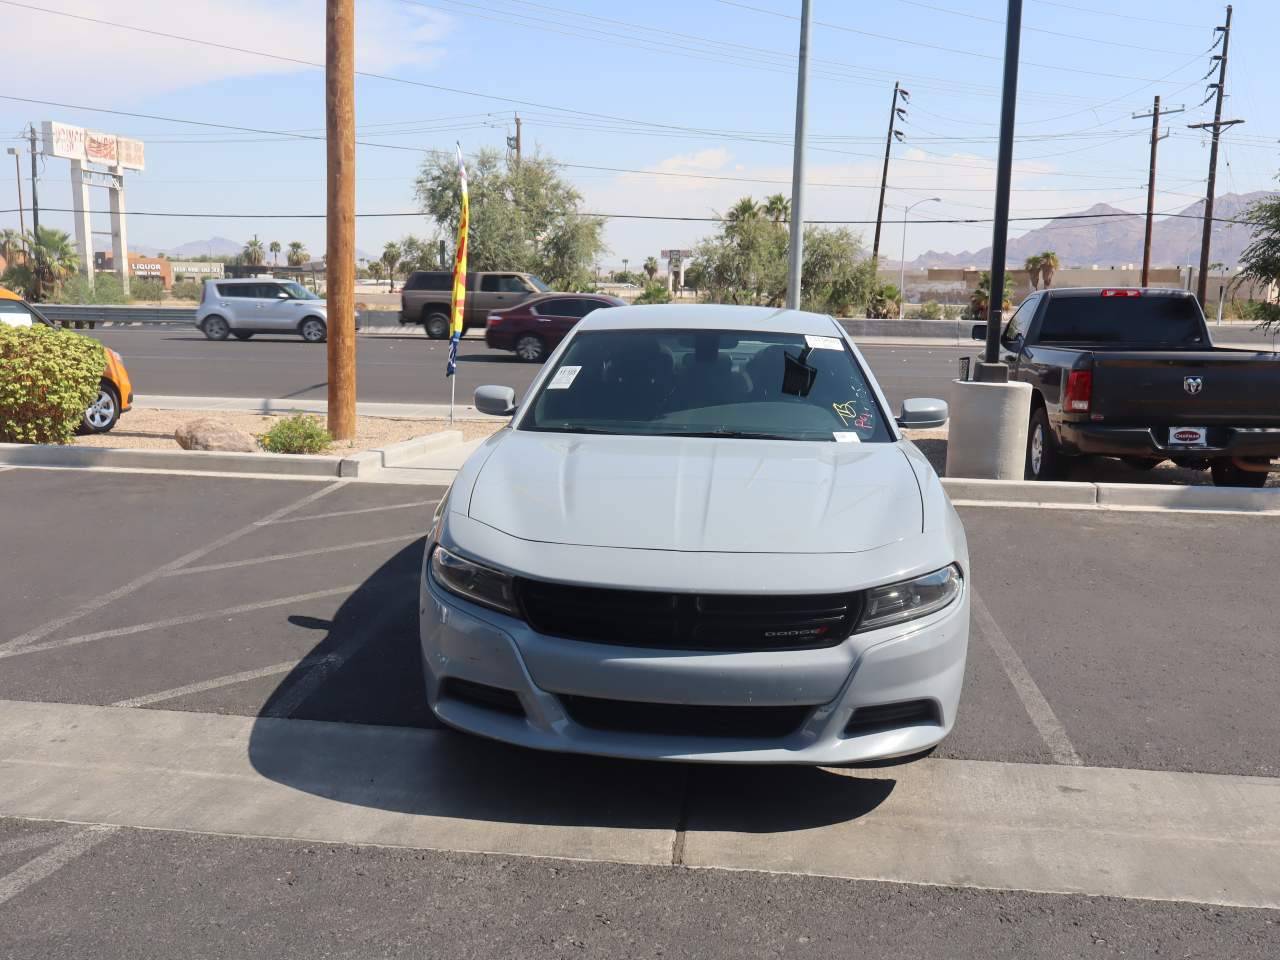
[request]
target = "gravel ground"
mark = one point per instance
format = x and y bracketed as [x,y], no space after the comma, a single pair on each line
[153,429]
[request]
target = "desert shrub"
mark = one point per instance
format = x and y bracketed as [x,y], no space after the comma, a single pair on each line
[296,434]
[654,292]
[931,310]
[187,290]
[75,290]
[146,289]
[47,379]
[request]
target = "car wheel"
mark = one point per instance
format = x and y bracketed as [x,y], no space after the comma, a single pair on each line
[1044,462]
[437,325]
[530,348]
[241,334]
[1227,474]
[215,328]
[103,413]
[313,330]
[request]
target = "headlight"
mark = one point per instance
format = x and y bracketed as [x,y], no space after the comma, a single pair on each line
[910,599]
[482,585]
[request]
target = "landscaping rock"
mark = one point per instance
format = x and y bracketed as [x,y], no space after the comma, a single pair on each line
[208,433]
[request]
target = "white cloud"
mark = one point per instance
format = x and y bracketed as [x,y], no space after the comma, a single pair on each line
[87,62]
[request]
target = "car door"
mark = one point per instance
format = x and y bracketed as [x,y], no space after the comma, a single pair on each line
[498,291]
[556,316]
[276,310]
[1014,334]
[236,302]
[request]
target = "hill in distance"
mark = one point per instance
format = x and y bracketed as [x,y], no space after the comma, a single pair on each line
[1116,240]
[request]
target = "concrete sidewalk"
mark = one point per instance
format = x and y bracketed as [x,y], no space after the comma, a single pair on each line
[392,411]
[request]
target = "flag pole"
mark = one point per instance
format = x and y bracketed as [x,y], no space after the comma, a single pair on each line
[458,298]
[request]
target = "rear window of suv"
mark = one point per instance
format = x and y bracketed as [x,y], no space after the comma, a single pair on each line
[1123,321]
[430,280]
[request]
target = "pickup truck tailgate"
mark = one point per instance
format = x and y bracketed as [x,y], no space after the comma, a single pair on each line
[1186,388]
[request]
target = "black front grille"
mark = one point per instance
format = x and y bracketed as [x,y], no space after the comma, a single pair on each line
[689,621]
[684,720]
[483,695]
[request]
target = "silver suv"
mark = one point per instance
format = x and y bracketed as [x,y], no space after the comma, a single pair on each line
[241,308]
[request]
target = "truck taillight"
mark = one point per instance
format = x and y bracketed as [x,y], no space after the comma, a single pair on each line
[1121,293]
[1079,391]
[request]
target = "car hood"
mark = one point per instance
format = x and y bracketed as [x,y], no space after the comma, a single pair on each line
[696,494]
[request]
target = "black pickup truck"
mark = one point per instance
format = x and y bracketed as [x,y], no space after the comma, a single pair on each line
[1132,373]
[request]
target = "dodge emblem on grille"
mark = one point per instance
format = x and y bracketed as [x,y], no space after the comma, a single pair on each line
[1193,385]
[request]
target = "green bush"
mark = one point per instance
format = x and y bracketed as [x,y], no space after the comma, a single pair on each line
[1260,313]
[931,310]
[146,289]
[296,434]
[187,290]
[654,292]
[106,290]
[47,379]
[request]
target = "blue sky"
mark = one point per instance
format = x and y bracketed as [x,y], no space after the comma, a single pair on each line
[696,88]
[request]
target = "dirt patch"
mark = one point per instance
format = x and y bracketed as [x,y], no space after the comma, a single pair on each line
[153,429]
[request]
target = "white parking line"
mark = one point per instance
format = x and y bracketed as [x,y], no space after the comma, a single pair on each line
[48,863]
[176,621]
[1046,721]
[34,841]
[97,603]
[218,682]
[349,513]
[206,568]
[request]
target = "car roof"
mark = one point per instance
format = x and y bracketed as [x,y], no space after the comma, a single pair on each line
[1096,291]
[8,294]
[710,316]
[246,280]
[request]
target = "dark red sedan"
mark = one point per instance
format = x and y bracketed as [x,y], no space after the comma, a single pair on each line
[535,326]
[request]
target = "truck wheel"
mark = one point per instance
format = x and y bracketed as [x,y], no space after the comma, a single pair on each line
[436,325]
[1044,462]
[1227,474]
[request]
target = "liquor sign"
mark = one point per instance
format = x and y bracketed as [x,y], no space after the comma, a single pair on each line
[91,146]
[63,140]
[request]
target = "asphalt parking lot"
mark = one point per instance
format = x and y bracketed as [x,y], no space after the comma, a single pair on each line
[1129,650]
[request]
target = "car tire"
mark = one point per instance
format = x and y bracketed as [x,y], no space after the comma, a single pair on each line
[531,348]
[313,330]
[102,414]
[1227,474]
[436,324]
[215,327]
[241,334]
[1044,462]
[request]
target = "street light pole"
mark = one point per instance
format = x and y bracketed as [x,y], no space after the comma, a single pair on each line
[902,261]
[795,252]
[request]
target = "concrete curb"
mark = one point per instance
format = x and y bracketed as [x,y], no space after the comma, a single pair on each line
[396,454]
[1103,496]
[266,405]
[198,461]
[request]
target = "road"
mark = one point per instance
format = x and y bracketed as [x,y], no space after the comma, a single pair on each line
[408,369]
[257,640]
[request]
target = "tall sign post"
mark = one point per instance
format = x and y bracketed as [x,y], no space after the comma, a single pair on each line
[340,223]
[795,249]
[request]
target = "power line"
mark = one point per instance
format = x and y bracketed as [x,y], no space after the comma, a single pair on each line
[1123,16]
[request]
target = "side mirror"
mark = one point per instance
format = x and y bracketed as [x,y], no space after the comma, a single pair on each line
[496,401]
[979,331]
[921,413]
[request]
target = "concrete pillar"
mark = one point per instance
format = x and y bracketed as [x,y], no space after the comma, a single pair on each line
[83,220]
[987,436]
[119,241]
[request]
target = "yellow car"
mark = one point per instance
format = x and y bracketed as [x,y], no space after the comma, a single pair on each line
[115,390]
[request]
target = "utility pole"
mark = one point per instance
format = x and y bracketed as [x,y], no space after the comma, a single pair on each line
[519,142]
[1206,235]
[1155,116]
[35,197]
[795,249]
[340,223]
[17,169]
[1004,177]
[896,113]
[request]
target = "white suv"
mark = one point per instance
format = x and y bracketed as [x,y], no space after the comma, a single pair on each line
[241,308]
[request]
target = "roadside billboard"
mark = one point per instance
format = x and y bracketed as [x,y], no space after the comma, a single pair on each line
[92,146]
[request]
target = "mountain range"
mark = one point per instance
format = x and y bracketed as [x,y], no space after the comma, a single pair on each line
[213,247]
[1117,240]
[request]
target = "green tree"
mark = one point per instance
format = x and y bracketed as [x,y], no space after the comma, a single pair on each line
[253,253]
[391,256]
[650,267]
[12,245]
[297,254]
[1048,264]
[274,247]
[523,216]
[375,270]
[51,260]
[980,299]
[1033,265]
[1260,261]
[777,208]
[654,292]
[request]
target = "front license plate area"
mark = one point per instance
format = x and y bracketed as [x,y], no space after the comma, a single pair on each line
[1188,436]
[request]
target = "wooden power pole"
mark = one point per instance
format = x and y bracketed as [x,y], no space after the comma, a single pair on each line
[1155,116]
[895,113]
[340,222]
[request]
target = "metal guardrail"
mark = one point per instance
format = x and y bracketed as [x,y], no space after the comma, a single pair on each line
[114,315]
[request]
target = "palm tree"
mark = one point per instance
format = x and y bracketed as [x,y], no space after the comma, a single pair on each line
[980,300]
[391,255]
[55,258]
[274,247]
[375,270]
[12,244]
[1048,264]
[744,209]
[297,254]
[650,267]
[253,252]
[777,208]
[1033,265]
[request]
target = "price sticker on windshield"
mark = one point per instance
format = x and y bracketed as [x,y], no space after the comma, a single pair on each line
[823,343]
[564,378]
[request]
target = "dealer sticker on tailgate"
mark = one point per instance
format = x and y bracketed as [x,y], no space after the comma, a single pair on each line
[1188,436]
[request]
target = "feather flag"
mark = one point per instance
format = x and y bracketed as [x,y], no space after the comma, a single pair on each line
[459,272]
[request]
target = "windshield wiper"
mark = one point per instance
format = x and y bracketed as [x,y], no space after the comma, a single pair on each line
[724,432]
[567,429]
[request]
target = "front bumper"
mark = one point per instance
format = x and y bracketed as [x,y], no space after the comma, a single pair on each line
[1146,442]
[920,661]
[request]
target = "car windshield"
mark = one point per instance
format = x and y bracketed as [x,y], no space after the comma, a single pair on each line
[714,383]
[298,292]
[539,284]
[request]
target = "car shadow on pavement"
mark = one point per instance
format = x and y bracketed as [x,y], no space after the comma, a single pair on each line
[388,751]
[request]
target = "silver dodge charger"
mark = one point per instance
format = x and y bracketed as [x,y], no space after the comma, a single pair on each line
[700,537]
